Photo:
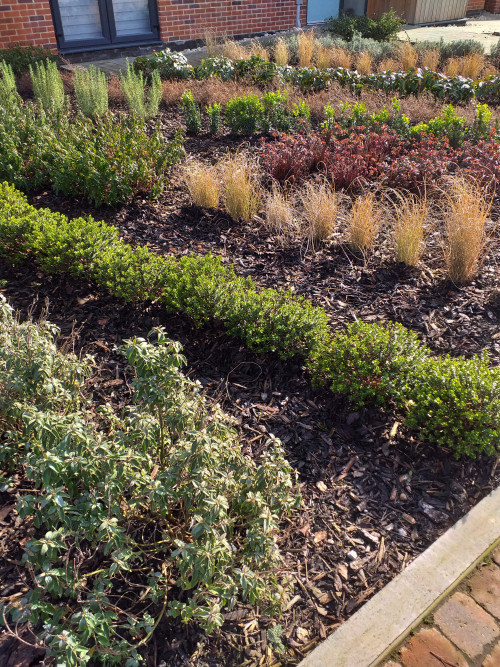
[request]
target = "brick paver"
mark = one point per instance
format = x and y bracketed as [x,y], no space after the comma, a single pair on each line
[493,659]
[485,588]
[429,648]
[468,626]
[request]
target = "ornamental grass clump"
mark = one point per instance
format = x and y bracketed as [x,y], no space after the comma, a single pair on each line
[407,56]
[91,91]
[140,101]
[429,59]
[203,183]
[364,63]
[305,48]
[321,206]
[241,189]
[364,223]
[280,216]
[341,57]
[467,210]
[323,57]
[281,52]
[48,87]
[411,216]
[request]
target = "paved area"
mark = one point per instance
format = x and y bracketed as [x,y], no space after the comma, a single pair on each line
[465,630]
[485,29]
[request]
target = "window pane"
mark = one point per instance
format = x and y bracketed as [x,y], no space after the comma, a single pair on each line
[80,19]
[131,18]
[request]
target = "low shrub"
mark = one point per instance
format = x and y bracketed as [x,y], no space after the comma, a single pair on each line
[383,29]
[48,87]
[170,65]
[192,112]
[214,118]
[454,402]
[144,103]
[244,115]
[106,162]
[21,58]
[91,91]
[373,363]
[168,451]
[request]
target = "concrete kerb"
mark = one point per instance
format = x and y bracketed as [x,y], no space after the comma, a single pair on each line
[379,627]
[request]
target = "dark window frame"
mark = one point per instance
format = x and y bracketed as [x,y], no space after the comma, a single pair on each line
[109,39]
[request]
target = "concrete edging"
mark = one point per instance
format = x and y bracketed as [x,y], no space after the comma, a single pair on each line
[370,636]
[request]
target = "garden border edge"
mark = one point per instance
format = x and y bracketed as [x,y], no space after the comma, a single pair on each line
[379,627]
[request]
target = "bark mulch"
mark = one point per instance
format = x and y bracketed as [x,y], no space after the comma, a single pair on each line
[374,497]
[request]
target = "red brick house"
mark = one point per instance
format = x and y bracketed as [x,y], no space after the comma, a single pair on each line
[83,25]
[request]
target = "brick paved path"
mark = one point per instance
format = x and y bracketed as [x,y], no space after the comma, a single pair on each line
[465,630]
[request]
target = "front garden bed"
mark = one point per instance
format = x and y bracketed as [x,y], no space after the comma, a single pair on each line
[374,495]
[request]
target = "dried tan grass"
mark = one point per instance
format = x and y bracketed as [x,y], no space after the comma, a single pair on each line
[206,91]
[472,65]
[407,56]
[341,58]
[203,183]
[489,70]
[364,223]
[234,50]
[212,42]
[453,67]
[255,48]
[323,57]
[280,215]
[364,62]
[305,42]
[281,52]
[411,216]
[388,65]
[430,59]
[466,214]
[240,186]
[321,206]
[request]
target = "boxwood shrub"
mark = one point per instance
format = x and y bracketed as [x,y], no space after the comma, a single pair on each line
[454,403]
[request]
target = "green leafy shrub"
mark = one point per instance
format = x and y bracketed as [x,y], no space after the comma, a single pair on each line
[277,115]
[48,87]
[192,112]
[169,463]
[214,118]
[91,91]
[371,363]
[21,58]
[144,103]
[111,161]
[455,403]
[383,29]
[244,115]
[170,65]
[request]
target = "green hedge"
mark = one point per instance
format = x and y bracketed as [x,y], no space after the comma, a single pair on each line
[454,402]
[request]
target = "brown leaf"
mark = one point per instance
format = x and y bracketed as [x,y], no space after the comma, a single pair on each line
[322,486]
[320,536]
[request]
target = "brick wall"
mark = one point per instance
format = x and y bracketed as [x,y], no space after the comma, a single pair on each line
[26,22]
[475,4]
[188,19]
[492,6]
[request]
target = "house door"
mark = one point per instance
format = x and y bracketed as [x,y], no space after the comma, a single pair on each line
[82,24]
[320,10]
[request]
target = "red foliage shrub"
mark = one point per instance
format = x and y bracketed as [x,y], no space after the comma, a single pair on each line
[361,158]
